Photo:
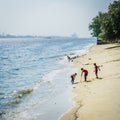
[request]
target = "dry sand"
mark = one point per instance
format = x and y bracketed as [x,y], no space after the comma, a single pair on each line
[100,98]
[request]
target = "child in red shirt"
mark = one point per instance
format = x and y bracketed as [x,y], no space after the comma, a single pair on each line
[96,70]
[85,74]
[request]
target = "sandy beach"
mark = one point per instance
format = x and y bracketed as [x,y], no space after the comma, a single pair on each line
[98,99]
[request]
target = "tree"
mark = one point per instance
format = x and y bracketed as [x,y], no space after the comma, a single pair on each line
[95,26]
[107,25]
[114,13]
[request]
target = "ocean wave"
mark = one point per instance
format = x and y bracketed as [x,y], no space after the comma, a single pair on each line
[14,102]
[4,58]
[15,69]
[54,56]
[18,95]
[21,93]
[51,75]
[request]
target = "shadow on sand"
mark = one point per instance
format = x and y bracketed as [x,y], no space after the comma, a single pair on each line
[88,81]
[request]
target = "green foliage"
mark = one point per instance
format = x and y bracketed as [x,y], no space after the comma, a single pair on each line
[95,26]
[107,25]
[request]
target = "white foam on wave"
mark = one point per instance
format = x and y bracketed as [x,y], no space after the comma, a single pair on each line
[73,54]
[60,74]
[82,51]
[51,75]
[64,61]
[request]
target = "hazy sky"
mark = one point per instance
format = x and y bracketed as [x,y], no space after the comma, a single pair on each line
[49,17]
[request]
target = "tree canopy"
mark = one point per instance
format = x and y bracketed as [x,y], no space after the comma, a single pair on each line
[107,25]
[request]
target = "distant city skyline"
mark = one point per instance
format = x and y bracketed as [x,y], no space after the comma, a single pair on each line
[49,17]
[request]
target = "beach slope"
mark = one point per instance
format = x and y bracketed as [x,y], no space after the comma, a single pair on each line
[98,99]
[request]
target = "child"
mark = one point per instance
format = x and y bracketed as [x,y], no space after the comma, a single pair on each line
[69,59]
[96,70]
[73,77]
[85,74]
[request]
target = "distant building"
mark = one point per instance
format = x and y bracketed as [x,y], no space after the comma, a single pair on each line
[74,35]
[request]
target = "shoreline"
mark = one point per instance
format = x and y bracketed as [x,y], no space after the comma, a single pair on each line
[98,99]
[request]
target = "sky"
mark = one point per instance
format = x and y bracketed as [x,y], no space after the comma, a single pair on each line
[49,17]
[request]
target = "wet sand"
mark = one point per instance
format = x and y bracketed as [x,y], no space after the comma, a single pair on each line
[98,99]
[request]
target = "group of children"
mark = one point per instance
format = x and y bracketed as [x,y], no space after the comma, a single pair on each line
[85,72]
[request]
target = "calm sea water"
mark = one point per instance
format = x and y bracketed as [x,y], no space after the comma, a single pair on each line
[34,76]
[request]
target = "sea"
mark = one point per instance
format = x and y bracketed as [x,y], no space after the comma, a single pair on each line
[35,81]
